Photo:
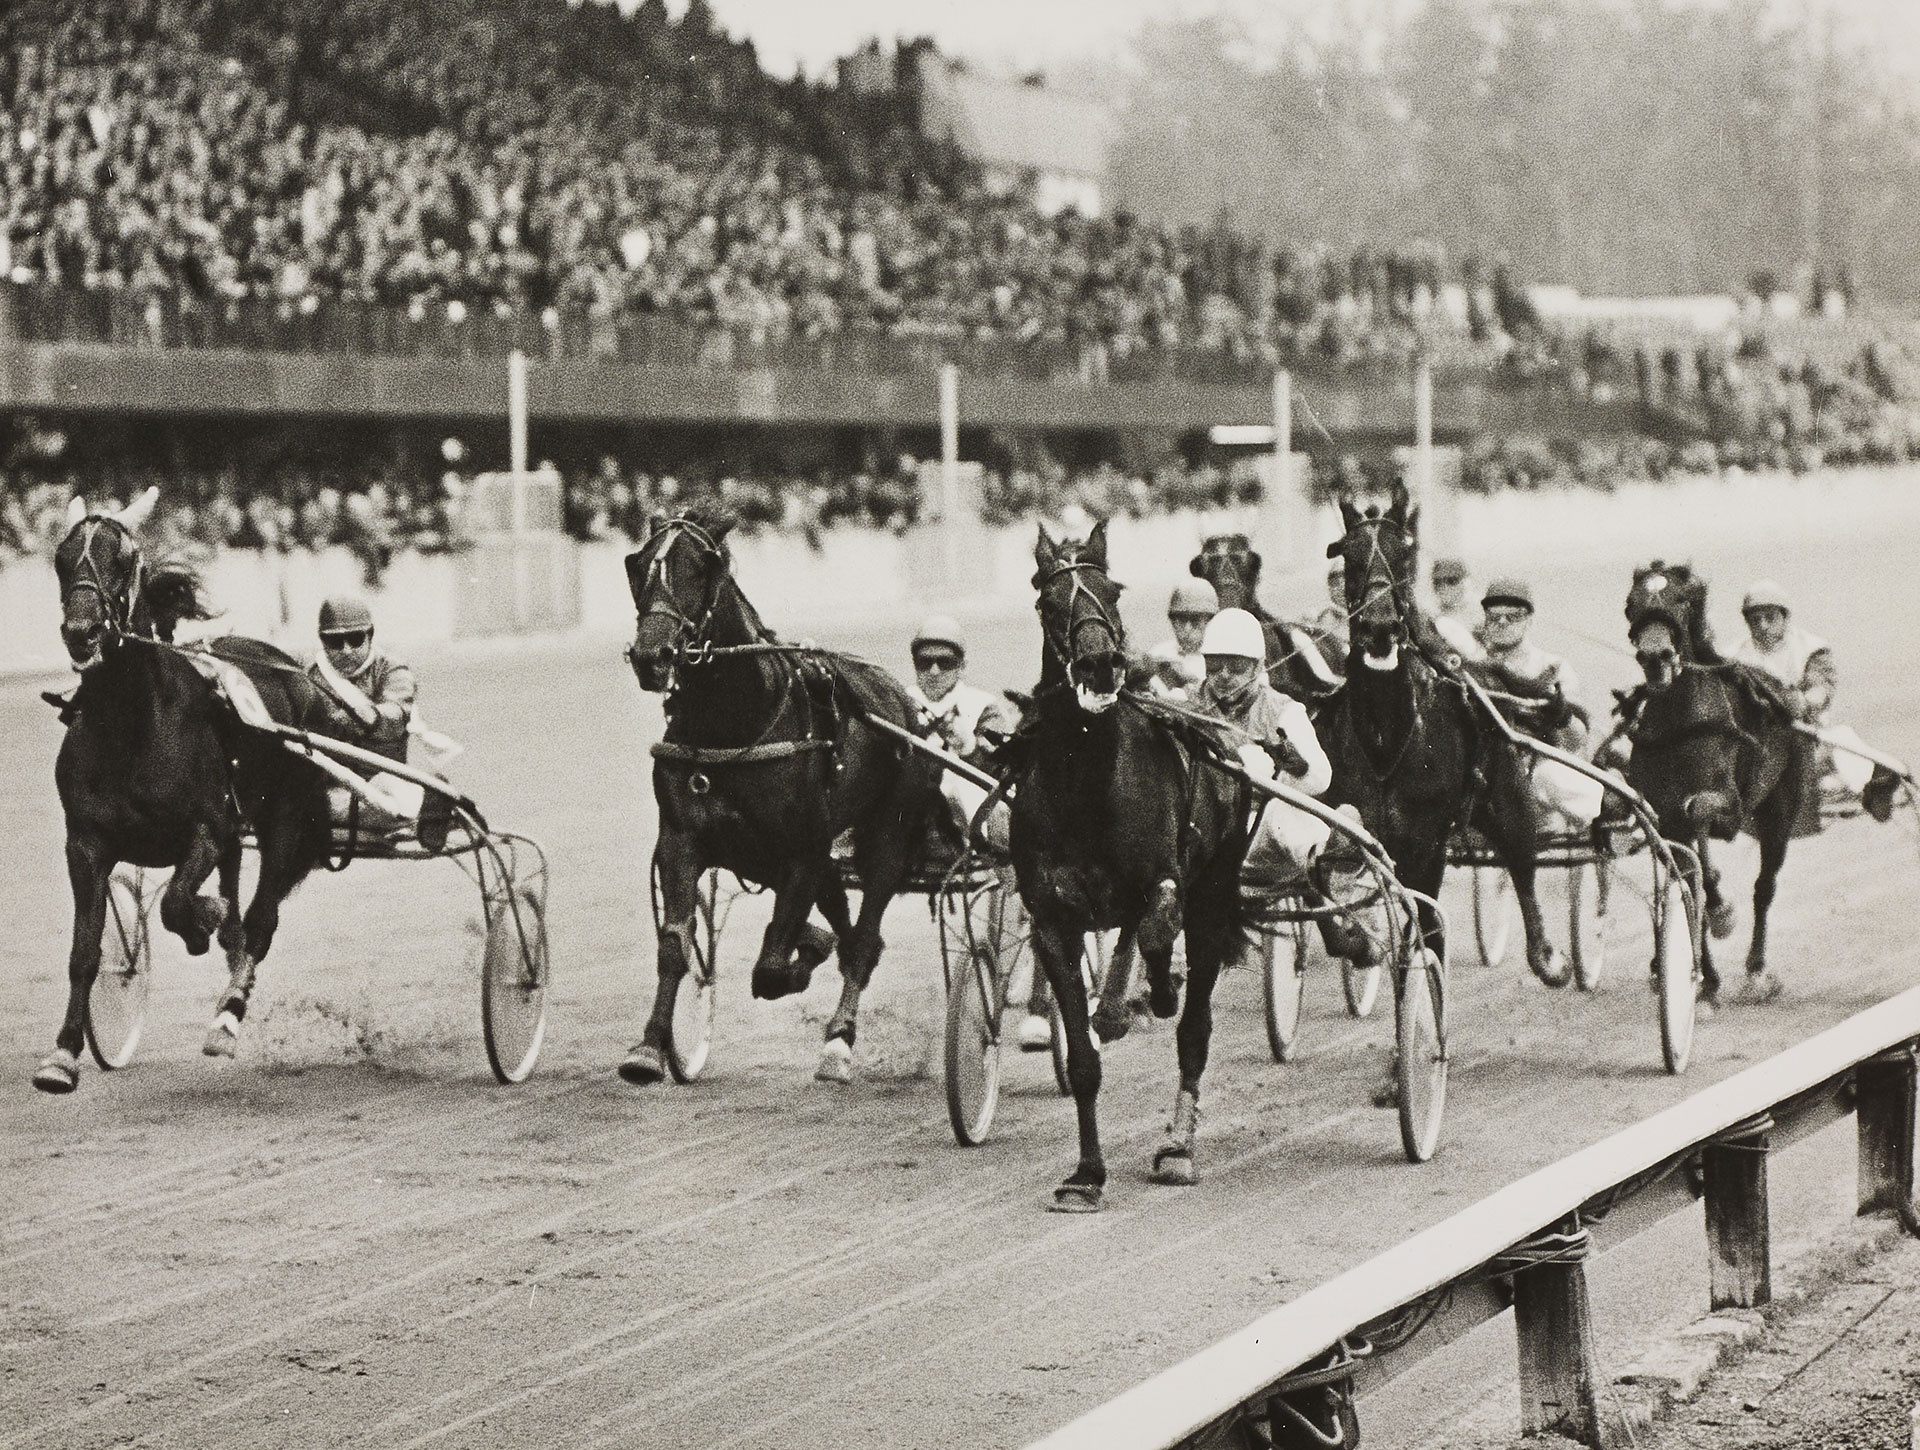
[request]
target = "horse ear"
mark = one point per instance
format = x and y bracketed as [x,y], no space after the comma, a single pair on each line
[1193,566]
[1096,550]
[76,511]
[1337,549]
[718,533]
[1045,548]
[1253,568]
[1349,517]
[135,513]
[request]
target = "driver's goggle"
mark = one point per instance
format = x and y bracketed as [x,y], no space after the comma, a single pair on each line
[345,638]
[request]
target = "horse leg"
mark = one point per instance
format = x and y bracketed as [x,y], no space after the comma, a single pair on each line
[284,863]
[1510,820]
[1773,827]
[1056,947]
[1210,939]
[1114,1015]
[1708,884]
[183,911]
[679,871]
[1158,930]
[777,972]
[87,873]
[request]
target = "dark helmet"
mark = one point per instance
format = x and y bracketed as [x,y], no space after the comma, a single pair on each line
[345,611]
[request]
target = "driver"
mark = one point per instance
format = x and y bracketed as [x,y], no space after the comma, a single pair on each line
[367,700]
[1281,741]
[1520,667]
[971,722]
[1803,663]
[1177,666]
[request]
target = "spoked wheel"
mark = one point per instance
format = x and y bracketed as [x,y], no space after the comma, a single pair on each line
[1283,975]
[1495,909]
[1589,887]
[1676,970]
[117,1005]
[973,1047]
[1093,971]
[690,1029]
[1420,1040]
[513,991]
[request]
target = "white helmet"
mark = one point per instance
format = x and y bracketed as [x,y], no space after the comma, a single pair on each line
[1234,632]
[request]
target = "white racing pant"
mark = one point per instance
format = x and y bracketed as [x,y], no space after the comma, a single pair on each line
[1570,800]
[964,798]
[400,802]
[1285,842]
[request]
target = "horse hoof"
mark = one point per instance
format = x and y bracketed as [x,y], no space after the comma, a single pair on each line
[1174,1167]
[59,1073]
[1075,1198]
[770,984]
[1553,969]
[642,1066]
[1721,920]
[1110,1024]
[1036,1033]
[1163,998]
[223,1038]
[1386,1094]
[1760,987]
[836,1062]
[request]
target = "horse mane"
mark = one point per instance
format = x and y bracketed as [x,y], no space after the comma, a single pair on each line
[174,592]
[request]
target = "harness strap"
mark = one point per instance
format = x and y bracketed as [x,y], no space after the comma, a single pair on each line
[741,755]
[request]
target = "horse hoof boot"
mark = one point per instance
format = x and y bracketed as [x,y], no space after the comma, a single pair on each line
[223,1038]
[1076,1198]
[836,1062]
[1036,1033]
[1554,969]
[1878,797]
[642,1066]
[59,1073]
[770,984]
[1110,1022]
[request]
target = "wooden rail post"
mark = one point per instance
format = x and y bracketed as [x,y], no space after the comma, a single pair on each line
[1559,1369]
[1884,1088]
[1739,1244]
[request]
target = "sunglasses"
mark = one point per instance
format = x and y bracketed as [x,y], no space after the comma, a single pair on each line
[1179,617]
[936,662]
[346,638]
[1506,616]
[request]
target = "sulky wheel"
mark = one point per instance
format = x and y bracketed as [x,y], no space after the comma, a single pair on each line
[1283,976]
[1589,888]
[973,1048]
[1676,969]
[1361,985]
[513,989]
[1495,908]
[117,1005]
[690,1029]
[1420,1043]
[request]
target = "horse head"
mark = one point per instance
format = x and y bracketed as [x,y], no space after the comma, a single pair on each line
[1079,609]
[1666,621]
[1380,551]
[1228,562]
[677,578]
[101,574]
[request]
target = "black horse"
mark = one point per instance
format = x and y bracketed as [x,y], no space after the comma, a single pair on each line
[1409,749]
[1302,660]
[1715,751]
[1118,822]
[768,756]
[156,771]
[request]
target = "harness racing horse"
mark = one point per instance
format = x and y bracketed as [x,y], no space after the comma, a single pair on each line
[1118,822]
[1301,660]
[1715,751]
[1409,751]
[768,756]
[156,771]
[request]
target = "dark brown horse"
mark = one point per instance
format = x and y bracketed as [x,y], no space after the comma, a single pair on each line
[768,756]
[156,771]
[1715,751]
[1409,749]
[1301,660]
[1118,822]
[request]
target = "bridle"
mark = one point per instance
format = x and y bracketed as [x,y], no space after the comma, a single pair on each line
[117,610]
[1380,581]
[690,644]
[1062,644]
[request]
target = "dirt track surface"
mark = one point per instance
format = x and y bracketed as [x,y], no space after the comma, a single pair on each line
[352,1236]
